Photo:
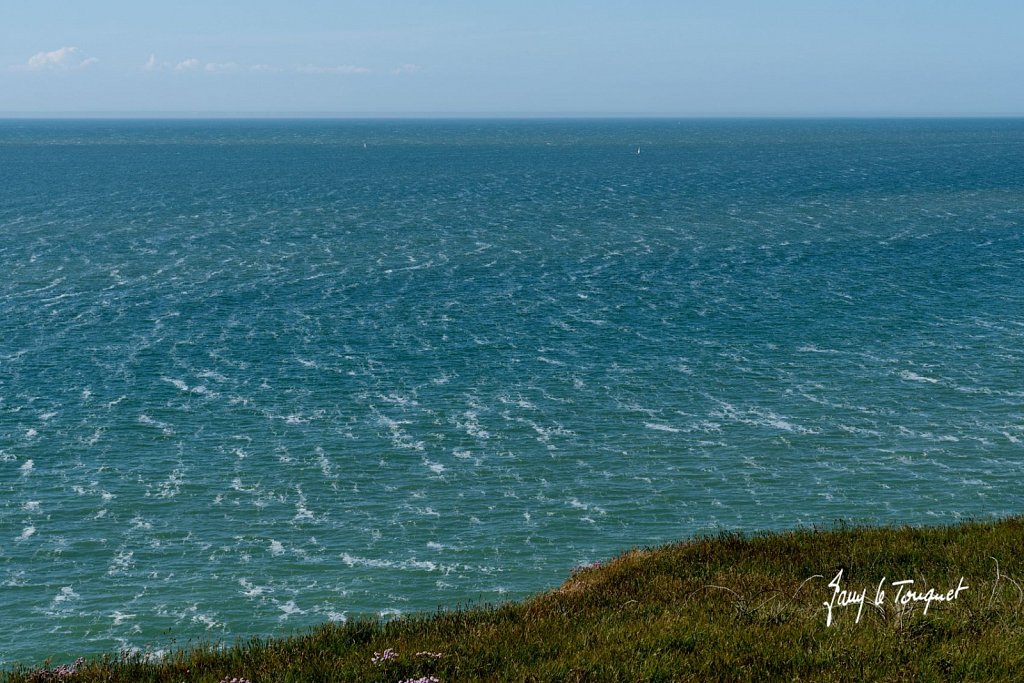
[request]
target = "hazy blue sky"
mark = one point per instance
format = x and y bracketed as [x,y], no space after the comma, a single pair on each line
[562,57]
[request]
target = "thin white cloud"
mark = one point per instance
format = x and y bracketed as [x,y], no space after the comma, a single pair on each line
[406,69]
[197,65]
[190,64]
[341,69]
[194,65]
[221,68]
[61,59]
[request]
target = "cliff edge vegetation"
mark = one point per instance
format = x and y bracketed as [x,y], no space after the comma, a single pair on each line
[838,604]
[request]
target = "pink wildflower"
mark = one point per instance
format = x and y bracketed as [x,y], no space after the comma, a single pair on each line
[58,674]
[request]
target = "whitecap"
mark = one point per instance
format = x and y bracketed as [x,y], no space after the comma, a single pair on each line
[811,348]
[375,563]
[252,590]
[204,619]
[210,374]
[302,512]
[325,465]
[121,563]
[138,523]
[399,438]
[171,487]
[289,608]
[472,426]
[435,467]
[120,617]
[163,426]
[181,386]
[914,377]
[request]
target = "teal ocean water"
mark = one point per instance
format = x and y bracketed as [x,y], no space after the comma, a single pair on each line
[259,375]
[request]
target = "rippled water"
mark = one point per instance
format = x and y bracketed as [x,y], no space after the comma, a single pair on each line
[258,375]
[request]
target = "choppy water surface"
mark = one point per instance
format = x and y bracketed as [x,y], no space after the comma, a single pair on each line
[258,375]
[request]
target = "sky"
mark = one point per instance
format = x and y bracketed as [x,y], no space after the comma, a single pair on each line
[512,58]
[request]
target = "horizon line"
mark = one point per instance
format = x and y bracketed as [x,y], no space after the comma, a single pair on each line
[354,116]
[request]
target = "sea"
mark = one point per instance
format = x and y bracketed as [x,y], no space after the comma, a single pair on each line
[256,375]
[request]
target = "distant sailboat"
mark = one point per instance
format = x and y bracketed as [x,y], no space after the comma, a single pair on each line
[638,149]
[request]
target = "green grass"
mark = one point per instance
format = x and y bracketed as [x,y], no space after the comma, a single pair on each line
[729,608]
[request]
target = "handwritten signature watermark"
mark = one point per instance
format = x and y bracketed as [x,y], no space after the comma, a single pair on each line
[904,595]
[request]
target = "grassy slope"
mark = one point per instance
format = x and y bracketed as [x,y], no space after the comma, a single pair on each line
[720,608]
